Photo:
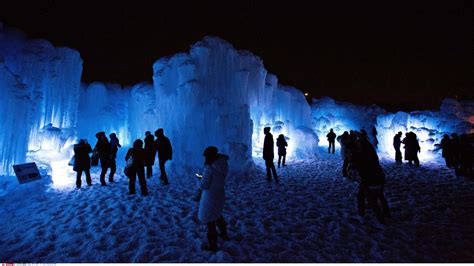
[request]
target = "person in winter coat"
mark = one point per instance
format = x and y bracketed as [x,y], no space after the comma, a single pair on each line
[103,149]
[82,162]
[150,150]
[445,145]
[412,148]
[136,158]
[114,146]
[332,140]
[165,153]
[372,180]
[212,199]
[269,154]
[397,142]
[281,144]
[344,141]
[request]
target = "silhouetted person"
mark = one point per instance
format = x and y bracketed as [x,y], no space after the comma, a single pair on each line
[352,150]
[212,198]
[150,150]
[137,167]
[165,153]
[281,144]
[466,156]
[447,150]
[397,142]
[412,148]
[456,153]
[344,141]
[82,162]
[374,135]
[332,140]
[114,146]
[103,149]
[372,179]
[269,154]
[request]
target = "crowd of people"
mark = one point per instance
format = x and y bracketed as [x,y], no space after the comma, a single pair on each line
[137,159]
[359,156]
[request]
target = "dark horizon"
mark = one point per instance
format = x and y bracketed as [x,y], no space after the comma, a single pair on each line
[400,57]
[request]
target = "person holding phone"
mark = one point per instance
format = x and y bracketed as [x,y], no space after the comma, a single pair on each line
[211,203]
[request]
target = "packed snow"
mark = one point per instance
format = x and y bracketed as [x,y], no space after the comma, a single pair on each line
[308,217]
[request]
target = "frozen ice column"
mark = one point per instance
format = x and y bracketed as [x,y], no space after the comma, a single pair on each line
[201,100]
[216,95]
[49,90]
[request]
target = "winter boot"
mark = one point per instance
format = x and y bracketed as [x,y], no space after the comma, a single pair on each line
[221,224]
[212,239]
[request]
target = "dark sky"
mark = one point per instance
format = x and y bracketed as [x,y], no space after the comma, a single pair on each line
[400,56]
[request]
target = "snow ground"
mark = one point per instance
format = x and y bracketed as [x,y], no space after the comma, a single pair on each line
[308,217]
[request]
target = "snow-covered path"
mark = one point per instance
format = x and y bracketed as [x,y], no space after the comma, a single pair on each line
[306,218]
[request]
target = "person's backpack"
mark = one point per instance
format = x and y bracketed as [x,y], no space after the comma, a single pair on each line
[128,165]
[129,161]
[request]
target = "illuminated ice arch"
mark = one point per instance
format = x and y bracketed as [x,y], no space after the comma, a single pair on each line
[428,126]
[341,116]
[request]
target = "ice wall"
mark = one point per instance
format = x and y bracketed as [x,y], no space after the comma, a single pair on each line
[342,116]
[142,111]
[14,108]
[286,111]
[103,107]
[216,95]
[430,126]
[463,111]
[40,84]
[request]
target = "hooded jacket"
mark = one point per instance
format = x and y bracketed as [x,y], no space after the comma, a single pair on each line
[212,184]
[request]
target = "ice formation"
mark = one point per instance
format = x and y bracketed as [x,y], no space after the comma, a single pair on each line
[342,116]
[103,107]
[142,111]
[39,88]
[216,95]
[429,126]
[213,95]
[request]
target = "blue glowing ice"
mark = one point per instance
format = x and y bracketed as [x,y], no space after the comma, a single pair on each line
[342,116]
[213,95]
[216,95]
[39,86]
[429,126]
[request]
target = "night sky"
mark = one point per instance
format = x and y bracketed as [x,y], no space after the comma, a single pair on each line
[399,56]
